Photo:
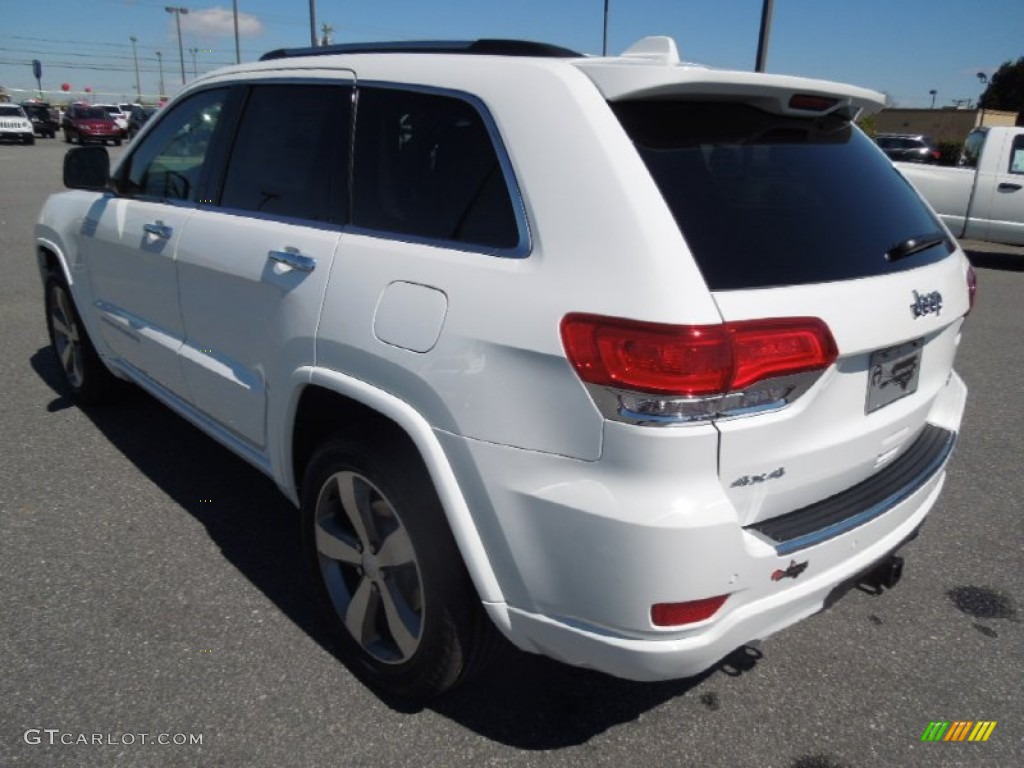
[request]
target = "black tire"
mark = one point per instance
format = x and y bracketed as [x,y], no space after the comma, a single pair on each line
[117,142]
[85,375]
[396,573]
[67,136]
[30,140]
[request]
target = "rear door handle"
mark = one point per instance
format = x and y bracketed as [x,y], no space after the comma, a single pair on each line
[291,257]
[1007,187]
[158,229]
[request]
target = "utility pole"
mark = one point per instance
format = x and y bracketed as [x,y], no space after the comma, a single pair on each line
[238,51]
[160,62]
[604,40]
[135,57]
[177,11]
[328,34]
[312,23]
[766,31]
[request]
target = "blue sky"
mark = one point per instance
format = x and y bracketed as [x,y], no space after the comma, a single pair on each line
[902,47]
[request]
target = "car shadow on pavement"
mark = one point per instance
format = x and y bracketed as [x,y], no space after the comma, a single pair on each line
[992,259]
[526,701]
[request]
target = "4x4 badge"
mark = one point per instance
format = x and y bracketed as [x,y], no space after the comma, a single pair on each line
[793,570]
[926,303]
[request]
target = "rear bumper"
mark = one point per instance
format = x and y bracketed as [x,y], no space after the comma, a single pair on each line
[582,550]
[863,502]
[704,646]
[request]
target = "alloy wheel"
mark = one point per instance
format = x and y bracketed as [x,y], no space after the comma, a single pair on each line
[66,336]
[369,567]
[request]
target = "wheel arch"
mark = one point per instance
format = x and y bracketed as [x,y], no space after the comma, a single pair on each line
[50,259]
[329,402]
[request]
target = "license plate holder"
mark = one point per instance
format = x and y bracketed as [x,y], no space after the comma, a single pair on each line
[893,374]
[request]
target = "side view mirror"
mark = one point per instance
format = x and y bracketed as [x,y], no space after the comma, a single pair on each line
[87,168]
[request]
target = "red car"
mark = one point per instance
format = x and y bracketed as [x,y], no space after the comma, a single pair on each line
[85,122]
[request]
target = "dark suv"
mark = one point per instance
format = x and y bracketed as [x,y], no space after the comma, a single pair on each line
[138,117]
[908,147]
[45,119]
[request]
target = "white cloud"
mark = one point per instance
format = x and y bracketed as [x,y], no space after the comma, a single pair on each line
[219,22]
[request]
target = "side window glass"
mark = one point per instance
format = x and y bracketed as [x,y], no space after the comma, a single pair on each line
[425,166]
[1017,154]
[290,157]
[168,164]
[972,149]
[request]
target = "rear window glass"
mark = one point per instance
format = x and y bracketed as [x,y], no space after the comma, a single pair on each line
[765,200]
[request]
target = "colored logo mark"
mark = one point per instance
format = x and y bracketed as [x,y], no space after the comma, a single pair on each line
[959,730]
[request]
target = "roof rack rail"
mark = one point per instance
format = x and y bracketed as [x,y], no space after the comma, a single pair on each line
[493,47]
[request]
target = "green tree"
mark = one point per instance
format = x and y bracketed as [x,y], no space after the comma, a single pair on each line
[1006,88]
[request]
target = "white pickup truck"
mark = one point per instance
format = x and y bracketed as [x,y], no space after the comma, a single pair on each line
[982,198]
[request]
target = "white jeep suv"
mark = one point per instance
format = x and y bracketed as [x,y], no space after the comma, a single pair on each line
[627,360]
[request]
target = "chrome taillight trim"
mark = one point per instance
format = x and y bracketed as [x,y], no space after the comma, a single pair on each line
[612,402]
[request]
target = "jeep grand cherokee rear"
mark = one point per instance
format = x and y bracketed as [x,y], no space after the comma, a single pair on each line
[639,360]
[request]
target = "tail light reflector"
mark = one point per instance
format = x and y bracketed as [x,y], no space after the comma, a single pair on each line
[677,614]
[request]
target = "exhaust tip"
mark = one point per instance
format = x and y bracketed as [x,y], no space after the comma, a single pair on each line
[886,574]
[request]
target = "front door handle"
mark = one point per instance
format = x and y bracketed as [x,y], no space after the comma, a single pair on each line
[290,257]
[1008,187]
[158,229]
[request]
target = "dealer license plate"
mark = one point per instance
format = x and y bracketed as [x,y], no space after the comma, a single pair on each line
[893,374]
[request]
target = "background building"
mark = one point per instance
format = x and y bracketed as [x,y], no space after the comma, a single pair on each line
[943,125]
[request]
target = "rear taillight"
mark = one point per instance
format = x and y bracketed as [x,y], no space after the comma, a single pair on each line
[648,357]
[972,287]
[765,349]
[676,373]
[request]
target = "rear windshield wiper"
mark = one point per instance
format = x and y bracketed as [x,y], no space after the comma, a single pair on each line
[915,244]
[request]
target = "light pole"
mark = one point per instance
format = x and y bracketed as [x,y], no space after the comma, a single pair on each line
[160,63]
[195,72]
[933,93]
[312,23]
[983,79]
[177,11]
[135,57]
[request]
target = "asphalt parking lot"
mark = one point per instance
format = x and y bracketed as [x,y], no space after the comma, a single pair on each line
[152,592]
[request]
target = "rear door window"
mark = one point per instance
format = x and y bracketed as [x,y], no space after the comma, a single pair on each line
[290,157]
[1017,155]
[972,148]
[766,200]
